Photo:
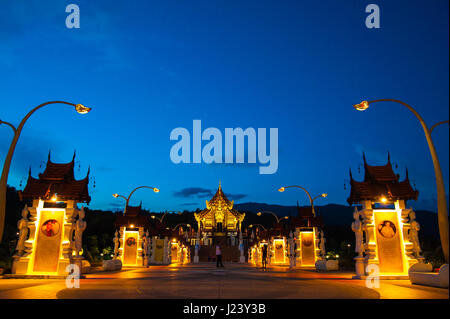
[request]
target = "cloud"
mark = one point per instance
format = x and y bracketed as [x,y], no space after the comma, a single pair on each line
[199,192]
[194,191]
[236,196]
[189,204]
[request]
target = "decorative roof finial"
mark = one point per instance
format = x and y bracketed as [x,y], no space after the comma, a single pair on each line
[364,159]
[29,171]
[220,184]
[49,155]
[389,158]
[350,171]
[74,154]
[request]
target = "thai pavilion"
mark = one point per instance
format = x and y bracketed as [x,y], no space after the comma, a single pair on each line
[160,240]
[385,230]
[309,237]
[219,222]
[276,240]
[133,237]
[50,231]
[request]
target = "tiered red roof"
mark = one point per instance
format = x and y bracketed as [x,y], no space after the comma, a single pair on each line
[133,216]
[380,181]
[57,179]
[306,218]
[219,199]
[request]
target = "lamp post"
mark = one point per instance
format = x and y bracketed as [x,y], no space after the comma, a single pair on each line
[311,200]
[180,224]
[4,179]
[275,215]
[442,202]
[257,225]
[156,190]
[160,219]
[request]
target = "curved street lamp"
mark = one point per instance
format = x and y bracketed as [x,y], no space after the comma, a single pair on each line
[311,200]
[252,225]
[442,201]
[160,219]
[275,215]
[80,108]
[181,224]
[156,190]
[437,124]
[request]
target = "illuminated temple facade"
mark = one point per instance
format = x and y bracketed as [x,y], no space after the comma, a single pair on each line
[386,231]
[50,231]
[219,219]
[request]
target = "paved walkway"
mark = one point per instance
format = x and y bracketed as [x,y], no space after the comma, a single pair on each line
[205,281]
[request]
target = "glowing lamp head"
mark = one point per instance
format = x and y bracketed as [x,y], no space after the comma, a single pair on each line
[282,189]
[115,195]
[324,195]
[286,217]
[188,225]
[156,190]
[250,226]
[259,213]
[55,197]
[364,105]
[80,108]
[153,217]
[383,199]
[132,226]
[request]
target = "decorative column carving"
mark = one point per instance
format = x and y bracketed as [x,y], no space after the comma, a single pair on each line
[357,227]
[22,226]
[116,244]
[197,247]
[241,248]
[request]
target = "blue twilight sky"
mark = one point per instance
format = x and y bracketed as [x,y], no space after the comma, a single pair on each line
[147,67]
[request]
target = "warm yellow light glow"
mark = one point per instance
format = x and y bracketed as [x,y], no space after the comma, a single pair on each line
[364,105]
[156,190]
[324,195]
[115,195]
[153,216]
[282,189]
[383,199]
[259,213]
[132,225]
[55,198]
[80,108]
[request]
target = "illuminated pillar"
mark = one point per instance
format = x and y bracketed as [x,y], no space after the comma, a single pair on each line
[390,239]
[50,246]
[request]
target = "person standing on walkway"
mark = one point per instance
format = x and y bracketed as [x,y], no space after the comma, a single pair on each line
[219,255]
[264,257]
